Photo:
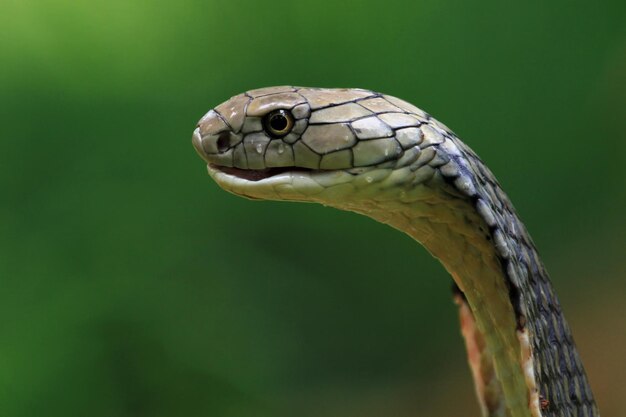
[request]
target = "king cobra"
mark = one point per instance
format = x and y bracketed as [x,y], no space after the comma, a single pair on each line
[381,156]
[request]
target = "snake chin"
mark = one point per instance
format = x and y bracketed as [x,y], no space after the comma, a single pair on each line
[258,174]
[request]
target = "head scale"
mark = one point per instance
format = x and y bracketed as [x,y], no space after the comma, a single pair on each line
[269,132]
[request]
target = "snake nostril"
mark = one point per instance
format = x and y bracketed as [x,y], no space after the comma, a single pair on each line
[223,142]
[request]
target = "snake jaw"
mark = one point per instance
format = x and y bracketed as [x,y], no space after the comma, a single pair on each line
[292,184]
[257,174]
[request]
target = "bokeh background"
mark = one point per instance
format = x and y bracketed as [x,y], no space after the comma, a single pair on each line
[132,286]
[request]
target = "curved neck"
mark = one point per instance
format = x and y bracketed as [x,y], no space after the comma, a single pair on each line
[484,246]
[452,231]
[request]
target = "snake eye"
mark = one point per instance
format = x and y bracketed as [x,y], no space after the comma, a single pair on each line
[278,123]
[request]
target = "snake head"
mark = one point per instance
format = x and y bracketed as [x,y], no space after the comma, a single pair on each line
[290,142]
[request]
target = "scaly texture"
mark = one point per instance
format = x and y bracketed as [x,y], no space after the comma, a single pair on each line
[380,156]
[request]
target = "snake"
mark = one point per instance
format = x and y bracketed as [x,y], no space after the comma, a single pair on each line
[381,156]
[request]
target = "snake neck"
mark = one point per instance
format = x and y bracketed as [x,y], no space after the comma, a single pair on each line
[448,227]
[456,209]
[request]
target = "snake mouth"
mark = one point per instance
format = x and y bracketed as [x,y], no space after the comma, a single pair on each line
[257,174]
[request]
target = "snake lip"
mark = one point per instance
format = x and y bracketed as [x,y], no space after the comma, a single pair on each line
[257,174]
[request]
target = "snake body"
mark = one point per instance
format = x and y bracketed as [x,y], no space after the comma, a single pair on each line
[380,156]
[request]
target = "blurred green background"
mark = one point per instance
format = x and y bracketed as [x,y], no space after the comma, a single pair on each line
[133,286]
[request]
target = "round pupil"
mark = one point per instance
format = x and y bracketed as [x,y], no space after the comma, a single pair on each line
[278,122]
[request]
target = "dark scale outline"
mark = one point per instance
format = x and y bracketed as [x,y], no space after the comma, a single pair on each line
[543,338]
